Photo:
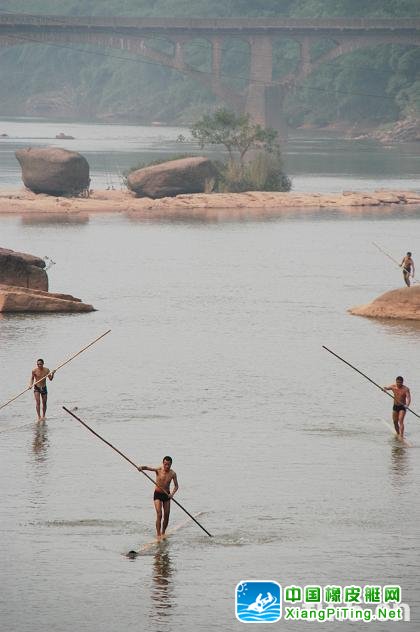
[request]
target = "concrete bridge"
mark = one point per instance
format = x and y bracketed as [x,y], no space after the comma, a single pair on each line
[263,97]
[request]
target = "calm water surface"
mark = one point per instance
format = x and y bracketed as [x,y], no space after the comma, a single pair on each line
[215,358]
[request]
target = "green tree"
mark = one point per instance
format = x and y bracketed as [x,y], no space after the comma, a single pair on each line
[236,132]
[241,136]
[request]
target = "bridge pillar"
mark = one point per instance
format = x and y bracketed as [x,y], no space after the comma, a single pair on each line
[216,64]
[260,76]
[179,55]
[305,65]
[274,114]
[264,100]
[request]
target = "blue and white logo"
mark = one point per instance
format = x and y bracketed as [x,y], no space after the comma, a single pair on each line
[258,601]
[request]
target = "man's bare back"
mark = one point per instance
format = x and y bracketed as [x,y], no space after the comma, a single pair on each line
[407,265]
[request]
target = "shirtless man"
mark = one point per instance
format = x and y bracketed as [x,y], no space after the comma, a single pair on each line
[402,399]
[40,389]
[407,264]
[162,496]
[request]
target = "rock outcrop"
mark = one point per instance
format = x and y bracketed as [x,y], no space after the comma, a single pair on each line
[53,170]
[23,270]
[19,299]
[24,286]
[186,175]
[403,303]
[405,131]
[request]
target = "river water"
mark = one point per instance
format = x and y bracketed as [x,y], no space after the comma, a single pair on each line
[215,357]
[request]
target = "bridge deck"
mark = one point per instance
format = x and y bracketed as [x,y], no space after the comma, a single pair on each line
[131,25]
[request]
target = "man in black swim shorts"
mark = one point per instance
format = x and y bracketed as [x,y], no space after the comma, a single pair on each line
[162,494]
[39,381]
[402,400]
[407,265]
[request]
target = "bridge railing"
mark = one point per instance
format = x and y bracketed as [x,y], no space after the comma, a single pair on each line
[225,24]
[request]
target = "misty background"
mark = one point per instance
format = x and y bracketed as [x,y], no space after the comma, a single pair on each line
[376,85]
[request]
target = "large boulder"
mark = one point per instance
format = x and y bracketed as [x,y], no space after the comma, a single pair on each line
[403,303]
[19,299]
[185,175]
[53,170]
[21,269]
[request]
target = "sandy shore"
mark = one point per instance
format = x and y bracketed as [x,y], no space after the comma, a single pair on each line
[200,205]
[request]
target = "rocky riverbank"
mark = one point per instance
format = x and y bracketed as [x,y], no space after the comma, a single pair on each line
[221,205]
[404,131]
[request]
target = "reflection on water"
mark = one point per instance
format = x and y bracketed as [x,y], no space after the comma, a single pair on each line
[233,215]
[400,463]
[40,442]
[38,471]
[54,218]
[162,591]
[401,328]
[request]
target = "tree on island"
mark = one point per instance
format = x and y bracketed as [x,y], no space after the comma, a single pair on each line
[254,156]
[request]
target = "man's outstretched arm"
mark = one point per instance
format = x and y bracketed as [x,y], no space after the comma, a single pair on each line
[146,467]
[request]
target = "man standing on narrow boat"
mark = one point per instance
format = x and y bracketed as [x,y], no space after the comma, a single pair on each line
[402,400]
[162,494]
[39,374]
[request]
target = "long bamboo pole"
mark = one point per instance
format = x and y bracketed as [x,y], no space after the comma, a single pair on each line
[392,259]
[134,465]
[56,369]
[368,378]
